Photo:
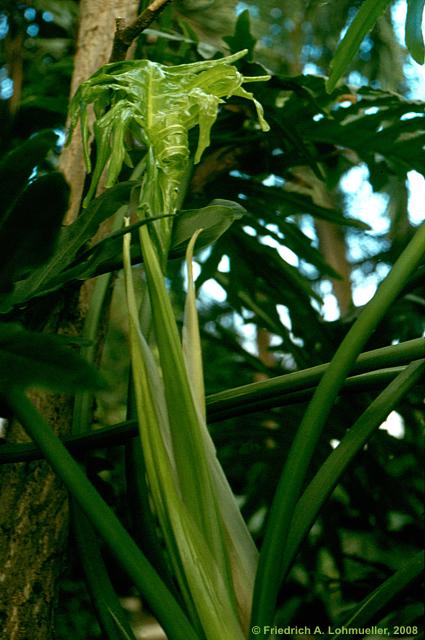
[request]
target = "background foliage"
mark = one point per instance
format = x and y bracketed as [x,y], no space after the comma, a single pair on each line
[299,239]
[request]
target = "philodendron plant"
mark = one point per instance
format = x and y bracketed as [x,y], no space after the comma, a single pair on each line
[211,552]
[145,109]
[156,106]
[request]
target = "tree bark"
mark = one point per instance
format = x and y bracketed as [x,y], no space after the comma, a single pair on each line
[33,503]
[34,518]
[95,38]
[33,533]
[332,246]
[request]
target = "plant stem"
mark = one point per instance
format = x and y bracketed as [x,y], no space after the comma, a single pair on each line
[109,611]
[331,471]
[120,433]
[384,357]
[383,595]
[364,382]
[300,455]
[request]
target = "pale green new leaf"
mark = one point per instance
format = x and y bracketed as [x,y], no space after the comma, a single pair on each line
[198,567]
[240,545]
[241,548]
[186,440]
[156,106]
[210,548]
[154,430]
[191,340]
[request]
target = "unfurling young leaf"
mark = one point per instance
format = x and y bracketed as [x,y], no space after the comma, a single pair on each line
[210,549]
[156,106]
[212,553]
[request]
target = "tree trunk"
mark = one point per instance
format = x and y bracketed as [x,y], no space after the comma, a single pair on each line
[332,246]
[34,519]
[95,38]
[33,533]
[33,503]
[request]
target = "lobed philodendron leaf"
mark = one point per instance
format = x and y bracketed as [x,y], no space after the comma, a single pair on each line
[242,37]
[155,107]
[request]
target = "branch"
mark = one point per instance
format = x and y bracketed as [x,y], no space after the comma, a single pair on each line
[124,35]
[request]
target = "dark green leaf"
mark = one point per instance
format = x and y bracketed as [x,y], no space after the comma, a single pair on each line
[299,243]
[103,257]
[47,103]
[17,166]
[388,591]
[214,219]
[365,19]
[29,359]
[388,136]
[242,37]
[71,239]
[75,236]
[106,255]
[290,203]
[29,232]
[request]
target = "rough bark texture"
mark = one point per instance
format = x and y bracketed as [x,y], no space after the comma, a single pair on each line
[33,532]
[34,517]
[33,503]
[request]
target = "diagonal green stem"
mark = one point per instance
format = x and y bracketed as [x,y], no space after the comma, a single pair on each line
[272,388]
[300,455]
[109,611]
[105,522]
[275,392]
[105,600]
[329,474]
[364,382]
[120,433]
[386,593]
